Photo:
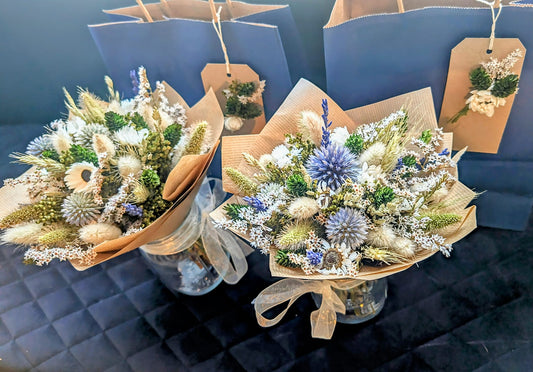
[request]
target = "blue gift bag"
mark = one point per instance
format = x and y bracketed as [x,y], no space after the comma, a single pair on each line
[373,52]
[181,41]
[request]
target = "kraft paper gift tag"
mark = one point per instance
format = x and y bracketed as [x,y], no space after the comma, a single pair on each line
[215,76]
[478,131]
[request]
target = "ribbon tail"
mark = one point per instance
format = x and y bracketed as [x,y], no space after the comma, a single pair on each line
[278,293]
[324,320]
[220,246]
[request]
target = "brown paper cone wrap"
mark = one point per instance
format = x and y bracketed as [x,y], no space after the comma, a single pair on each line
[306,96]
[193,9]
[181,186]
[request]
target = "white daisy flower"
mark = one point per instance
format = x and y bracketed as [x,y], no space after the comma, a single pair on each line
[79,175]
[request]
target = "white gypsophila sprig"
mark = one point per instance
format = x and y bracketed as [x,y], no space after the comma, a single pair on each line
[176,112]
[369,132]
[499,69]
[71,252]
[113,209]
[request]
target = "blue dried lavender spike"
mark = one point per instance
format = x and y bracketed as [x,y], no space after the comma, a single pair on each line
[444,152]
[255,203]
[134,82]
[315,258]
[325,129]
[133,210]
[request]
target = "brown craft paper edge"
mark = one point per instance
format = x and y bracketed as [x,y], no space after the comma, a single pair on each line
[159,12]
[343,12]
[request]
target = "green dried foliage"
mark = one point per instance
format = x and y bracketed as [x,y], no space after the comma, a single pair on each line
[51,154]
[114,121]
[233,210]
[355,144]
[242,89]
[173,134]
[194,147]
[282,259]
[441,220]
[78,154]
[25,214]
[248,110]
[137,120]
[150,179]
[294,236]
[480,79]
[426,136]
[296,184]
[307,147]
[246,186]
[157,152]
[234,107]
[409,160]
[382,196]
[506,86]
[49,209]
[154,206]
[57,237]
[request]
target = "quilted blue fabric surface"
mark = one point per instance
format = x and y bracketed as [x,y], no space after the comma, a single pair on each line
[470,312]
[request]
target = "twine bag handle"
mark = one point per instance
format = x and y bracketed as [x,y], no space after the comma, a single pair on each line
[218,29]
[401,8]
[145,11]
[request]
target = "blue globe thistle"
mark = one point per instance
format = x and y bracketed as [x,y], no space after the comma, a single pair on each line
[333,165]
[347,226]
[255,203]
[38,145]
[315,258]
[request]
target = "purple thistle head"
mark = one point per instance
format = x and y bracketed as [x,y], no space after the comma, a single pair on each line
[325,129]
[347,226]
[315,258]
[133,210]
[255,203]
[332,165]
[134,81]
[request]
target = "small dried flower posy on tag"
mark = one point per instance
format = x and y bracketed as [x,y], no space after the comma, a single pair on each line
[492,82]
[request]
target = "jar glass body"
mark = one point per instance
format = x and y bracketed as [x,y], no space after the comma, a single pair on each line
[184,266]
[363,301]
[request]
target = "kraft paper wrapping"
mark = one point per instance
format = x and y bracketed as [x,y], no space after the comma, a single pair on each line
[465,57]
[214,77]
[193,9]
[344,10]
[181,186]
[306,96]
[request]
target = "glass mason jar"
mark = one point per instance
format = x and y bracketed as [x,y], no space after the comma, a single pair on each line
[363,302]
[180,261]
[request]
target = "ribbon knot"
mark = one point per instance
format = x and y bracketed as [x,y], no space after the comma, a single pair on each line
[323,320]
